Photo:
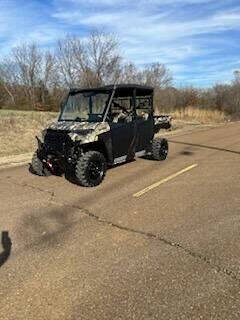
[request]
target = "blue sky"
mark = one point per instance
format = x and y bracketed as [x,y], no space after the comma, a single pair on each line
[198,40]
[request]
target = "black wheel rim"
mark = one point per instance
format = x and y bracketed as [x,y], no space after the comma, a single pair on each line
[95,170]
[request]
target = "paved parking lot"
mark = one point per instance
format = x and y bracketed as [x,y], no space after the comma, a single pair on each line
[156,240]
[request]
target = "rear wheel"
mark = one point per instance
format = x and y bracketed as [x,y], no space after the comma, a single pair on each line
[38,167]
[91,169]
[159,149]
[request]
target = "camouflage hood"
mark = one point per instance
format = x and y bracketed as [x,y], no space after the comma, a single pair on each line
[81,131]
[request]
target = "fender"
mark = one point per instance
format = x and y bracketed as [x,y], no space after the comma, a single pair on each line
[103,145]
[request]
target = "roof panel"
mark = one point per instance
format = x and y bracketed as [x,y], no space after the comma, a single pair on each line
[121,89]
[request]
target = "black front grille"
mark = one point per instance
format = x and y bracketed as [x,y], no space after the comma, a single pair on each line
[55,140]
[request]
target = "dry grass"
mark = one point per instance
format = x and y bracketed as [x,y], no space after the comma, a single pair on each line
[203,116]
[19,128]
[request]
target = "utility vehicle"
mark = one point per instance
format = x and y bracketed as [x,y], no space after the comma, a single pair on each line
[98,128]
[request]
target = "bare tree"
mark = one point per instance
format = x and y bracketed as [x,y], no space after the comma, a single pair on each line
[28,59]
[131,74]
[236,92]
[90,62]
[8,78]
[236,80]
[103,57]
[157,75]
[66,61]
[49,77]
[37,78]
[28,74]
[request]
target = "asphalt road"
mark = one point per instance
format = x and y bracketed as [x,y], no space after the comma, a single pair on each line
[121,251]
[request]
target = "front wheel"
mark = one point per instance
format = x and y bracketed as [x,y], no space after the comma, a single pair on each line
[159,149]
[37,166]
[91,169]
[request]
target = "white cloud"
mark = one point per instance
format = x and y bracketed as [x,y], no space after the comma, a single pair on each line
[149,31]
[155,37]
[156,27]
[137,24]
[25,22]
[139,2]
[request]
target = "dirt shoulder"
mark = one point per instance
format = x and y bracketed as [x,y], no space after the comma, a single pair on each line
[15,160]
[180,126]
[18,130]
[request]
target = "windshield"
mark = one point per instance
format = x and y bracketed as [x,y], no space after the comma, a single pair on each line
[88,106]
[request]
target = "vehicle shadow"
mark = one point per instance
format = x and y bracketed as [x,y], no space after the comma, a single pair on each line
[186,152]
[7,245]
[204,146]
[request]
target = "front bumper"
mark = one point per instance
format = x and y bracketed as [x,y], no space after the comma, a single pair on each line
[57,153]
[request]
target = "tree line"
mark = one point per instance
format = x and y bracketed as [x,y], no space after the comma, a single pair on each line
[35,79]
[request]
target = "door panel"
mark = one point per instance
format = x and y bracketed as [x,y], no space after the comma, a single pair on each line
[144,133]
[122,138]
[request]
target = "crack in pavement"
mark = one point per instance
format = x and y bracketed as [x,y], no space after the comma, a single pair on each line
[151,235]
[51,193]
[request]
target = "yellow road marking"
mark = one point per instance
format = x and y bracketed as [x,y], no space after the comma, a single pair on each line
[157,184]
